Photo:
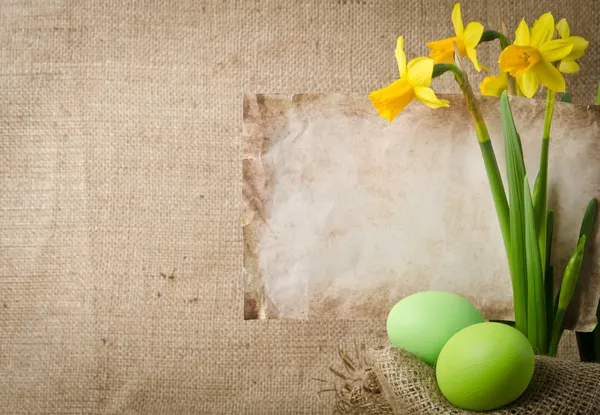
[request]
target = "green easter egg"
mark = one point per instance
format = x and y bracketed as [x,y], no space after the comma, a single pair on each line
[422,323]
[485,366]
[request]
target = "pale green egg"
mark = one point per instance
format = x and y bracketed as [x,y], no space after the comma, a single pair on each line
[485,366]
[422,323]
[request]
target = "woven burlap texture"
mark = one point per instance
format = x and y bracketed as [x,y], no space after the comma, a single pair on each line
[395,382]
[120,174]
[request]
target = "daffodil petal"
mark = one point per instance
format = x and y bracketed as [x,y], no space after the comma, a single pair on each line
[419,71]
[579,46]
[401,57]
[568,66]
[427,97]
[562,27]
[392,99]
[549,76]
[522,37]
[457,20]
[494,85]
[542,30]
[442,51]
[472,54]
[555,50]
[472,34]
[528,83]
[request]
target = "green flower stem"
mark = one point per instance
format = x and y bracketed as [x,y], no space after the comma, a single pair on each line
[541,182]
[489,159]
[499,197]
[441,68]
[498,193]
[549,272]
[550,98]
[540,203]
[490,35]
[512,87]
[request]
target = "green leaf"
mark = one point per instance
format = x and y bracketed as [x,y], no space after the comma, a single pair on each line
[566,98]
[549,272]
[567,289]
[551,300]
[536,189]
[589,343]
[549,233]
[536,294]
[556,332]
[540,194]
[598,96]
[589,218]
[540,201]
[515,169]
[556,297]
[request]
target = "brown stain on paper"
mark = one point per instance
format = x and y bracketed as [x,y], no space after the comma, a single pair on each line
[254,191]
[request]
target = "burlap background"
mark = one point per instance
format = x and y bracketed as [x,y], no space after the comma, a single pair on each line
[120,174]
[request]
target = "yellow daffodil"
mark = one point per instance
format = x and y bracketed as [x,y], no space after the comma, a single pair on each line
[568,64]
[494,85]
[466,40]
[414,82]
[530,59]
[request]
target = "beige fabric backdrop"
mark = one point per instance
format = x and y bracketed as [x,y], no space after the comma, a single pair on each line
[120,173]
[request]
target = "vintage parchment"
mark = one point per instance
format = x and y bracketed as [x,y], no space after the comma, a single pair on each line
[345,213]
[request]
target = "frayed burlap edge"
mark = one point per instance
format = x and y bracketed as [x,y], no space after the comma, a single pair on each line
[391,381]
[355,386]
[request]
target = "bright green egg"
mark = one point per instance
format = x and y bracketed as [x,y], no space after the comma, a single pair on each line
[422,323]
[485,366]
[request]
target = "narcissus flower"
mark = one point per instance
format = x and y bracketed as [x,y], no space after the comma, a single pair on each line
[530,59]
[568,64]
[414,82]
[494,85]
[466,39]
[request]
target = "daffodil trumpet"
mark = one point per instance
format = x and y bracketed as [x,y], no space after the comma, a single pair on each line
[530,59]
[494,85]
[414,81]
